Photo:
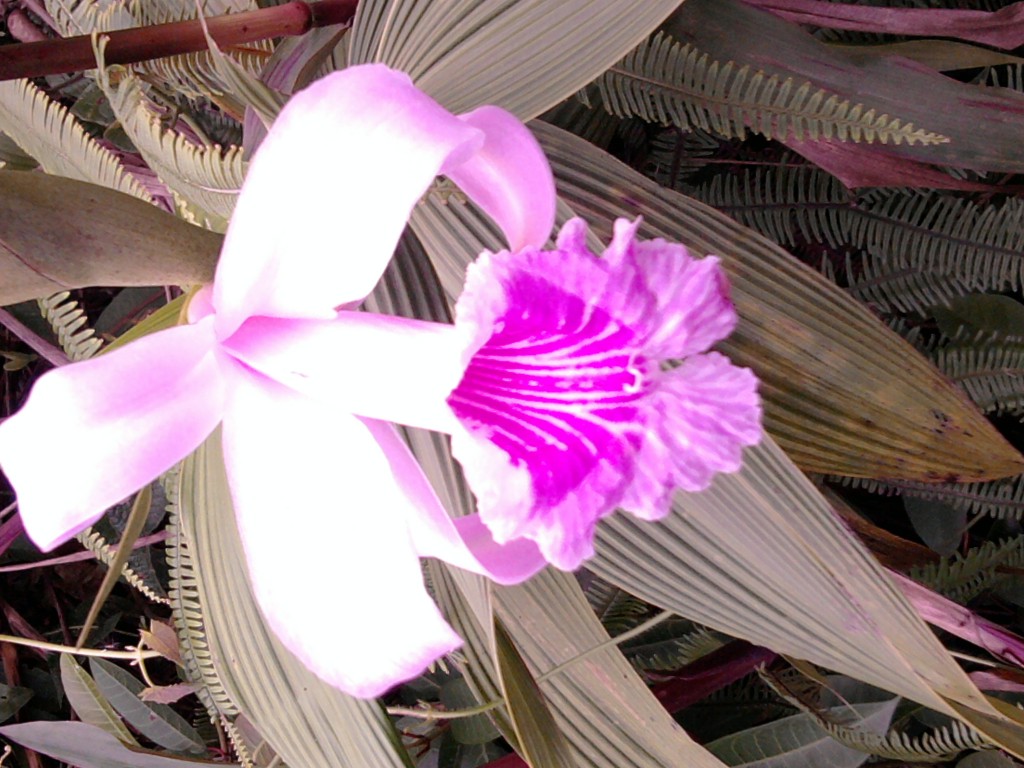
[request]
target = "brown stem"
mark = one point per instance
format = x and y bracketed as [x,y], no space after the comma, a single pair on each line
[128,46]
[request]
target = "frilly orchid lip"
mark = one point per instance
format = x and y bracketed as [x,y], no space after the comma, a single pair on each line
[566,398]
[324,203]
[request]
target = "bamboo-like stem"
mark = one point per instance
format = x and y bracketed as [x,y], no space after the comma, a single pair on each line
[128,46]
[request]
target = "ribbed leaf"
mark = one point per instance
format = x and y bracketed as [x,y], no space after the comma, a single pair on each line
[157,722]
[523,55]
[47,131]
[761,556]
[87,701]
[309,723]
[840,389]
[57,234]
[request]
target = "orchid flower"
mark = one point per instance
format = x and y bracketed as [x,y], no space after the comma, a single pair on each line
[571,384]
[321,495]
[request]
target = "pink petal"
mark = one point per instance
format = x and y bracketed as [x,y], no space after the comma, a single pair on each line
[329,192]
[466,543]
[325,528]
[691,309]
[94,432]
[509,178]
[377,366]
[698,419]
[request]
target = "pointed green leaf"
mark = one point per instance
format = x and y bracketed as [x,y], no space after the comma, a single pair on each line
[12,698]
[157,722]
[540,738]
[87,701]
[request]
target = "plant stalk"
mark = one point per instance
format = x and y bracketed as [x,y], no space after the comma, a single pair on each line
[129,46]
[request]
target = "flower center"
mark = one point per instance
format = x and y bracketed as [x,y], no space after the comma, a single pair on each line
[557,387]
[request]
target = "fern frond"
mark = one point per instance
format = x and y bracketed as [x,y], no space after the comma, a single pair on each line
[82,17]
[666,82]
[618,610]
[940,743]
[981,244]
[921,248]
[207,177]
[898,283]
[992,374]
[780,202]
[68,321]
[670,653]
[1003,499]
[238,742]
[674,159]
[49,132]
[965,576]
[96,543]
[187,615]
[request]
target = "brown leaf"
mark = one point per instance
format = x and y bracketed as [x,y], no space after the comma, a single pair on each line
[57,234]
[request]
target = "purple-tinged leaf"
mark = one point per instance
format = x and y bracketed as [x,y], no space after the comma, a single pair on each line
[1003,28]
[983,124]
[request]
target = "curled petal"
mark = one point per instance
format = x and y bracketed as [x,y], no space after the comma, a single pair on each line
[509,178]
[329,192]
[93,432]
[699,418]
[317,504]
[466,543]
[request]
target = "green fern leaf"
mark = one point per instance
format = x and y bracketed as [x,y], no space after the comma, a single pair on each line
[48,132]
[187,614]
[964,576]
[666,82]
[206,177]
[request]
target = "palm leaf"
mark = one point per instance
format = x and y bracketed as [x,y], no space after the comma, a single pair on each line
[512,53]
